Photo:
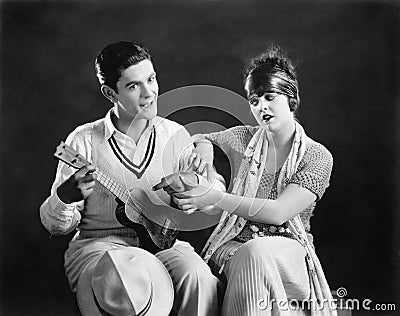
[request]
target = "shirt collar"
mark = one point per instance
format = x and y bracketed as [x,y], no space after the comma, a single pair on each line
[109,126]
[110,129]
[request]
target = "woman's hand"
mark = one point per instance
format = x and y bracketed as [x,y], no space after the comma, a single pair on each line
[199,197]
[188,184]
[201,155]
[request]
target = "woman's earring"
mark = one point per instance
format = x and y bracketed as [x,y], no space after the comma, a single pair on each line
[292,105]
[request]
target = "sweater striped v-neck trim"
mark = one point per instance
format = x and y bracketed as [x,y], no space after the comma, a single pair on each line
[137,170]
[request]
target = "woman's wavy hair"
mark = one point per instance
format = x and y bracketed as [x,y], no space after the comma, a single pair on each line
[276,58]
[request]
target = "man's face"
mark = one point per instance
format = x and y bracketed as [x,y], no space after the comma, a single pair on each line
[138,91]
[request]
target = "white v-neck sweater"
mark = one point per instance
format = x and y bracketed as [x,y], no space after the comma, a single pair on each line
[105,148]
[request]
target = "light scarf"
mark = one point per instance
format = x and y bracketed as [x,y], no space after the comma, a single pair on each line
[246,184]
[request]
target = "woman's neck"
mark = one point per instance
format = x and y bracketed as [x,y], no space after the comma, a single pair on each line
[283,138]
[279,146]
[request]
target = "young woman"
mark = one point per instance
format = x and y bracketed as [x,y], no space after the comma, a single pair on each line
[262,244]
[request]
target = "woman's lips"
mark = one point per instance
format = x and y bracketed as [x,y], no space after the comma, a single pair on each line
[267,117]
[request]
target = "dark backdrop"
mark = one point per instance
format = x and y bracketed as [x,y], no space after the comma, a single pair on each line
[348,65]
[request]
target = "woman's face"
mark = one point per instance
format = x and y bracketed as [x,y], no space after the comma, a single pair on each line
[271,110]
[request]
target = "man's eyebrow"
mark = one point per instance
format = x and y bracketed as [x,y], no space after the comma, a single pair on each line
[137,82]
[131,83]
[151,75]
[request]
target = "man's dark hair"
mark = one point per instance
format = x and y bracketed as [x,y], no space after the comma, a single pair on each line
[115,58]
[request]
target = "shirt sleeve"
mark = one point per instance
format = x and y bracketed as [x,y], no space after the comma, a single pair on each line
[222,139]
[315,171]
[234,139]
[57,217]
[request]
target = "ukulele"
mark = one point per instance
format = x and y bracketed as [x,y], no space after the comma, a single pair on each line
[153,237]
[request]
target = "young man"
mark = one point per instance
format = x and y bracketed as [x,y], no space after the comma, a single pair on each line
[136,148]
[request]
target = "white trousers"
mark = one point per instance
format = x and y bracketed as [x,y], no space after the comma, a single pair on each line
[263,276]
[196,289]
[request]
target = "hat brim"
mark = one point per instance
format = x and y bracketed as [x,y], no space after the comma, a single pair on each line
[156,296]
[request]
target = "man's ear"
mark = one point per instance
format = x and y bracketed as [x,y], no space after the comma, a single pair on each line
[109,93]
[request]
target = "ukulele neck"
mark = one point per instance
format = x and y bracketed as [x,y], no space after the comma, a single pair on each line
[115,188]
